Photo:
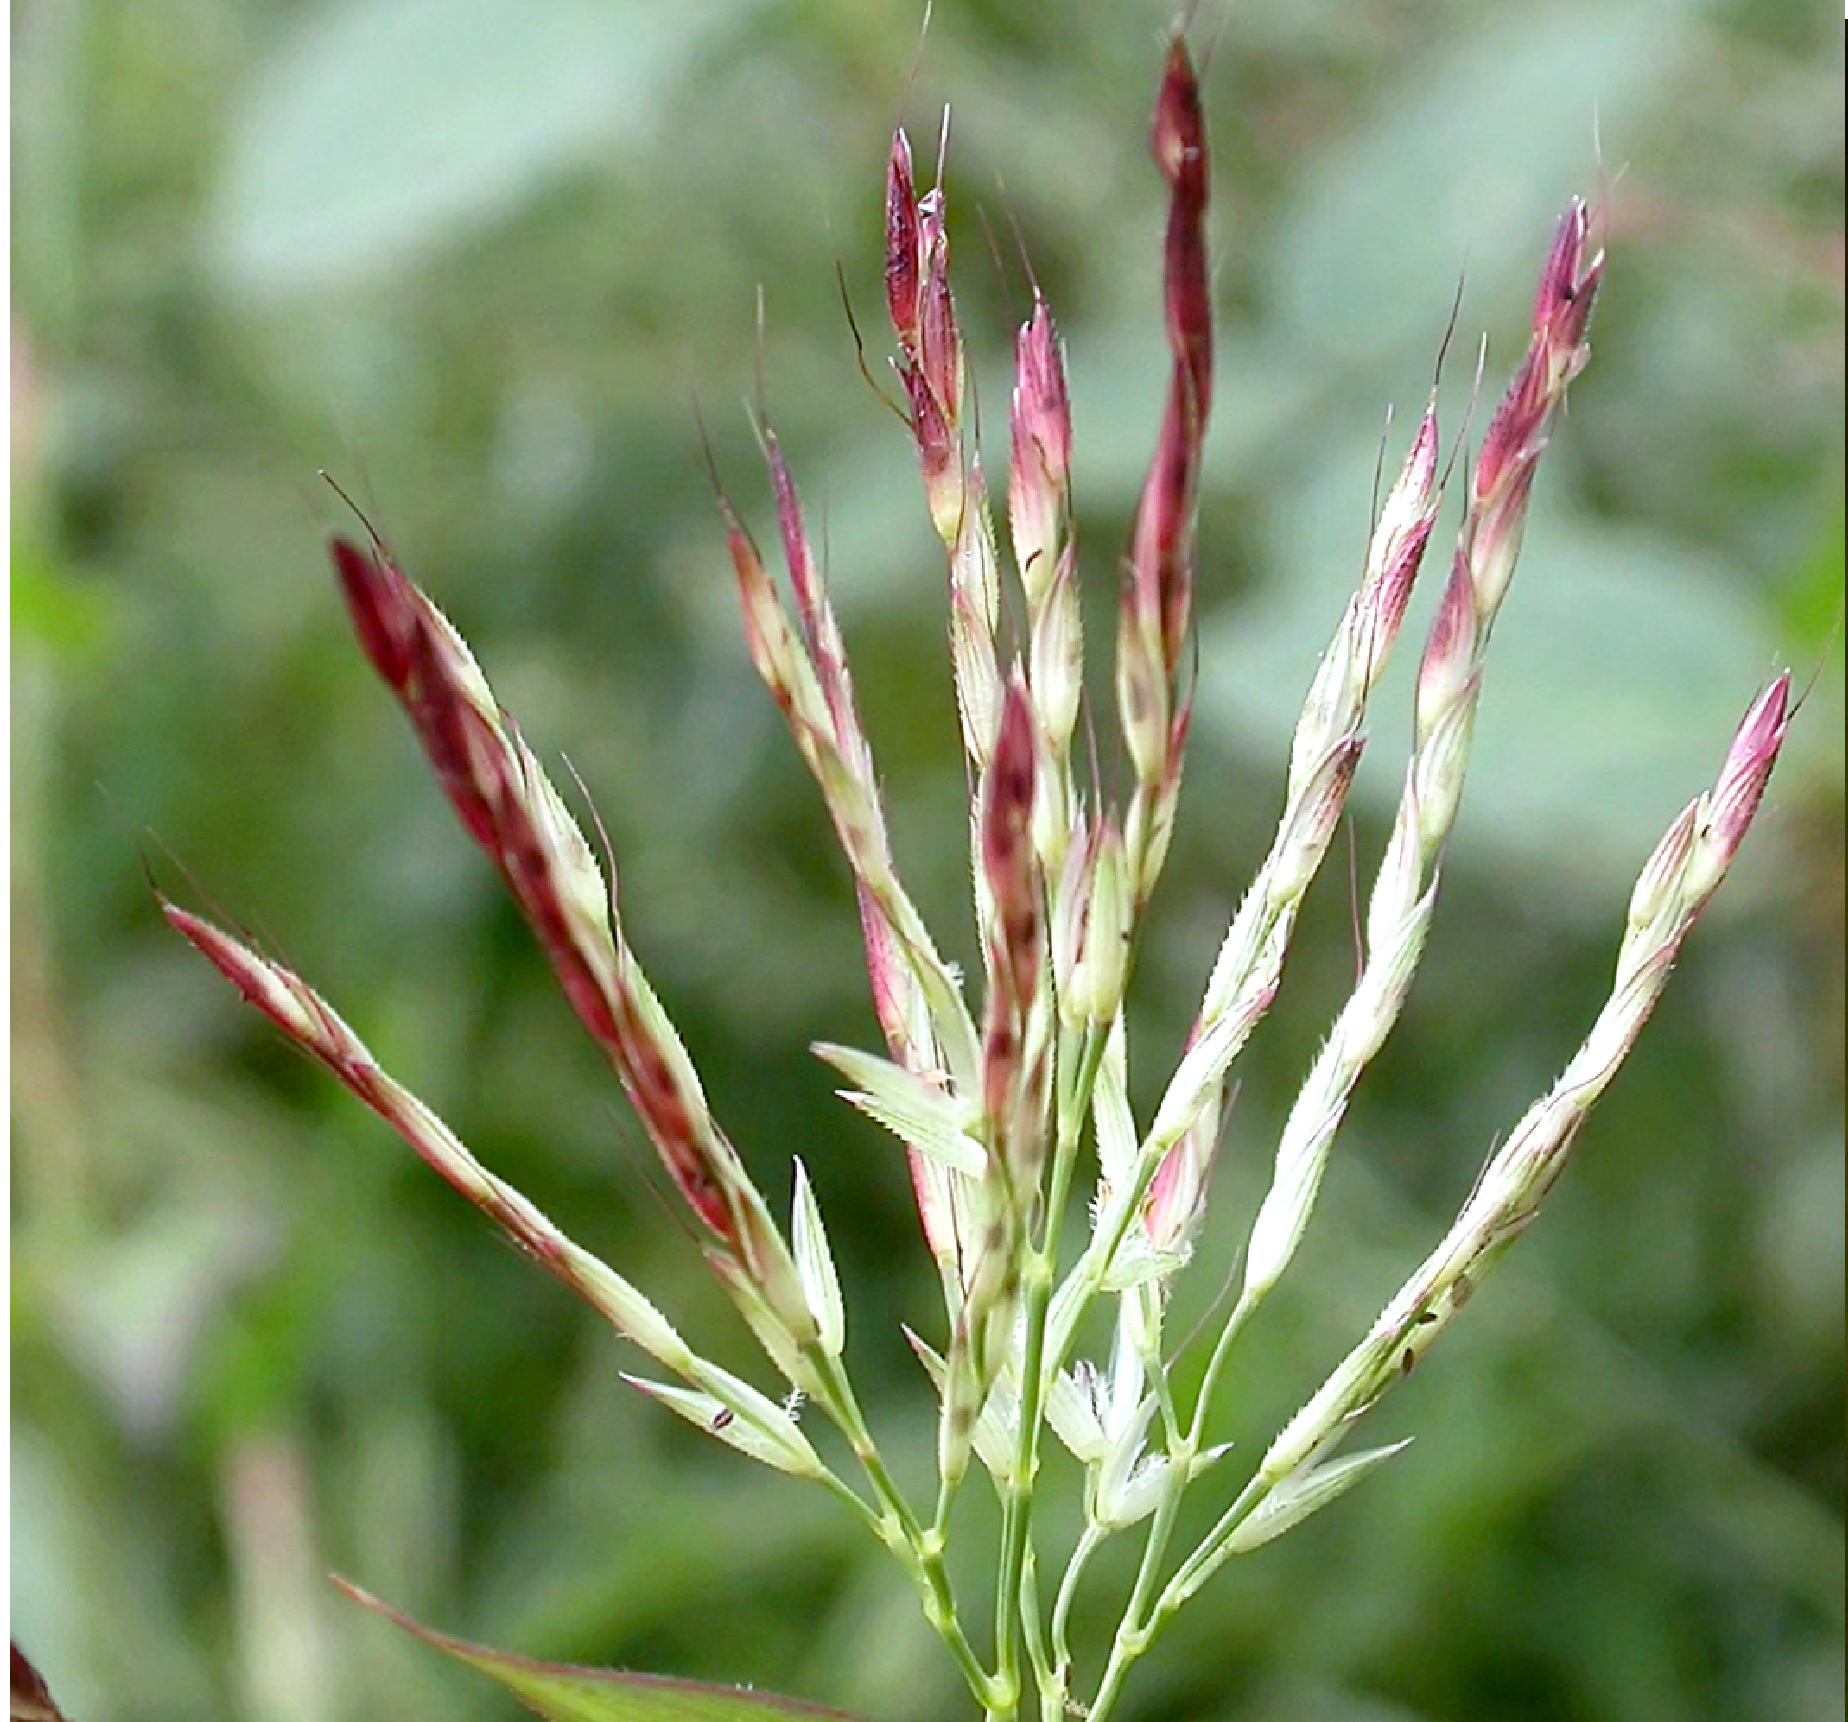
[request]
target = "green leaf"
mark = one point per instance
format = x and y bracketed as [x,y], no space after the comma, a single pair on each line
[566,1694]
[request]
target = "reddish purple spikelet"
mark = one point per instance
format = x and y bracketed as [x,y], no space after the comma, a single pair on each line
[1394,591]
[917,275]
[1039,477]
[446,721]
[1161,553]
[885,971]
[491,781]
[1042,408]
[378,597]
[761,611]
[1568,282]
[1421,459]
[653,1087]
[295,1008]
[820,633]
[939,355]
[1178,141]
[1176,1201]
[935,1217]
[31,1697]
[1389,594]
[939,455]
[903,247]
[1555,355]
[1450,650]
[417,658]
[1007,848]
[255,979]
[1015,937]
[1742,779]
[795,539]
[1496,511]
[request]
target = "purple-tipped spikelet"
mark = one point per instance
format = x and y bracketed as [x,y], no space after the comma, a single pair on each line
[923,313]
[510,808]
[1039,479]
[904,267]
[1157,597]
[306,1019]
[1733,804]
[997,1098]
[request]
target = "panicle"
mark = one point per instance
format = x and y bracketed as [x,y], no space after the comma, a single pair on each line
[1059,881]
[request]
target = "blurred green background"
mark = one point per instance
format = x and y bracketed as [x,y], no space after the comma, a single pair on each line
[477,259]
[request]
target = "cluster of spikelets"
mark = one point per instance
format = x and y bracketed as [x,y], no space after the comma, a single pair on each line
[995,1105]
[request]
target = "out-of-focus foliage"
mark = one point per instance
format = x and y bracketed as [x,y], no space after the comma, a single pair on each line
[477,259]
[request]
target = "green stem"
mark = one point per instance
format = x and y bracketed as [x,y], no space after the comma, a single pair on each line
[1210,1553]
[1031,1633]
[1146,1612]
[1088,1545]
[1135,1637]
[1179,1476]
[1072,1107]
[919,1551]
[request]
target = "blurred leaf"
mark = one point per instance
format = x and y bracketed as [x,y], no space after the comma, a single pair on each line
[1465,165]
[567,1694]
[385,127]
[1812,604]
[52,610]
